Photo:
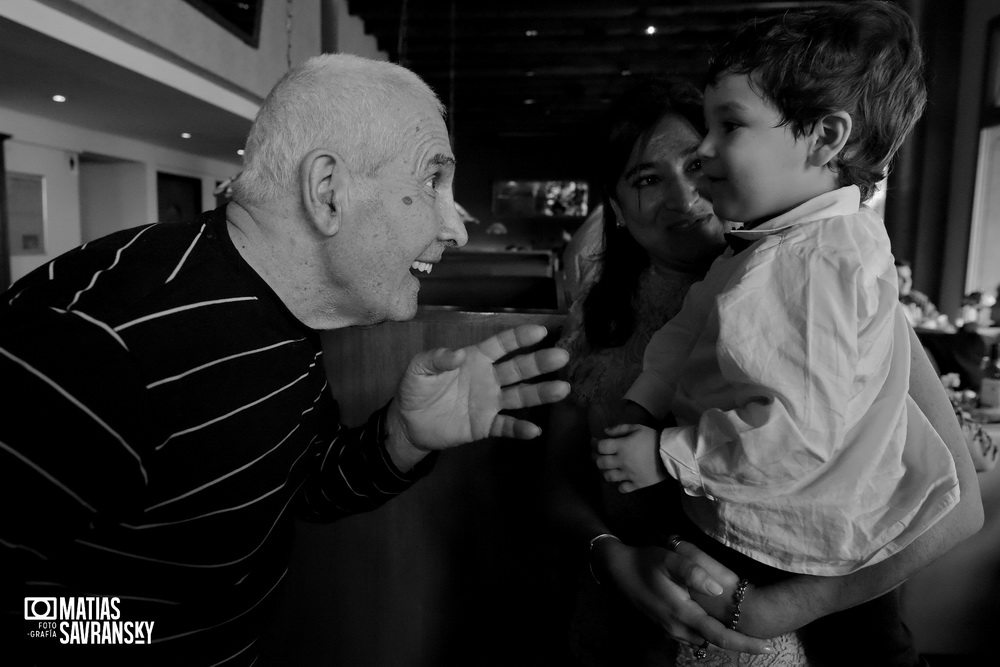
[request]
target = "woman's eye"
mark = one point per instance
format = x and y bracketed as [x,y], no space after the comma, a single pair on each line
[644,181]
[729,127]
[694,166]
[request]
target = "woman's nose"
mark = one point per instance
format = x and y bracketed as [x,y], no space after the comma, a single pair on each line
[682,197]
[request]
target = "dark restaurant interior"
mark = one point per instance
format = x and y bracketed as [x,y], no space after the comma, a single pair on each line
[157,98]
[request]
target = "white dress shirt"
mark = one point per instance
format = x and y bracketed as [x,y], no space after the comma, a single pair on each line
[787,370]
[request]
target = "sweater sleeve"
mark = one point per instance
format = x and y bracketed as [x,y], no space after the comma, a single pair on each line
[356,474]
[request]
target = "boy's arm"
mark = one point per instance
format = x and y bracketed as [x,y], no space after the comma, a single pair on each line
[800,599]
[633,413]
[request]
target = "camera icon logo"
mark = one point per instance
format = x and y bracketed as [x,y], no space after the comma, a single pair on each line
[40,609]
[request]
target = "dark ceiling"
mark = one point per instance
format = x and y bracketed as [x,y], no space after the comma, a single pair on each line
[548,68]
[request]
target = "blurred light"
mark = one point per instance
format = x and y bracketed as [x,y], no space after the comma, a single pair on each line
[185,135]
[651,30]
[626,72]
[239,152]
[529,73]
[529,101]
[531,33]
[58,98]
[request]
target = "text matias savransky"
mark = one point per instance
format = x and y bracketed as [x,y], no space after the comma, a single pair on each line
[84,620]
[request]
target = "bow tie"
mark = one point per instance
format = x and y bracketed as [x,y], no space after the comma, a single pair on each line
[737,244]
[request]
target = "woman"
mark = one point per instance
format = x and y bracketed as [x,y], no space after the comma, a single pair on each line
[659,238]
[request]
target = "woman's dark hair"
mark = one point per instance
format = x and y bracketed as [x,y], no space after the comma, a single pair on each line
[608,317]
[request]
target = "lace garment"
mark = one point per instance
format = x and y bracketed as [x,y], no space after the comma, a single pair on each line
[788,652]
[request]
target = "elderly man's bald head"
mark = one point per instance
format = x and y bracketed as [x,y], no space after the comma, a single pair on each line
[354,106]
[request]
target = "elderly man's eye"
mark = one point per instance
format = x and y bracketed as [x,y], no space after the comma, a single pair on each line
[433,181]
[694,166]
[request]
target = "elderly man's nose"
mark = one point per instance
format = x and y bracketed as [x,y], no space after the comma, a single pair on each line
[453,231]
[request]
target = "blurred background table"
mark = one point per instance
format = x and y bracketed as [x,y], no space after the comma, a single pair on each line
[960,352]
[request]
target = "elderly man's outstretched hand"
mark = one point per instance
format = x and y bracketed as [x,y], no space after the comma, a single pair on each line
[450,397]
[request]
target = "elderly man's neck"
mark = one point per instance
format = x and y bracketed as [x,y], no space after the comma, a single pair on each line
[275,243]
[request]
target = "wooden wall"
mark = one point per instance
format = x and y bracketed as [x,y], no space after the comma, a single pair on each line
[457,570]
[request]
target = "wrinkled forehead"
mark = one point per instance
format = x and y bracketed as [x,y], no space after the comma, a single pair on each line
[424,135]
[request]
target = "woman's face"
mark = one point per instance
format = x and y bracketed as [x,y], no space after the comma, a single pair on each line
[659,197]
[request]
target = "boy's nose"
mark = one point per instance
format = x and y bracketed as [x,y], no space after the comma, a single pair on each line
[705,148]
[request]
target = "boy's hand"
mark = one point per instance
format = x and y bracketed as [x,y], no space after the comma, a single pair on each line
[630,457]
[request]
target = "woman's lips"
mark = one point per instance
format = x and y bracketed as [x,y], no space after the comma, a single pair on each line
[690,223]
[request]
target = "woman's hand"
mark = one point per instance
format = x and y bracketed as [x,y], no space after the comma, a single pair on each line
[657,582]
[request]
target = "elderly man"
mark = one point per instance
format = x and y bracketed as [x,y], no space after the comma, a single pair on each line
[171,413]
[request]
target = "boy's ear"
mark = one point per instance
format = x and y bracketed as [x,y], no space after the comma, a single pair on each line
[324,181]
[829,136]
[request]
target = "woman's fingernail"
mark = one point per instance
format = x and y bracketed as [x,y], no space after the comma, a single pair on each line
[768,649]
[714,588]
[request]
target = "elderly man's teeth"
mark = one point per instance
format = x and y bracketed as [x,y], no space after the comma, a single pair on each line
[422,266]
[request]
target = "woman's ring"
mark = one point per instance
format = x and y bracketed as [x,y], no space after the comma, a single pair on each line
[674,543]
[702,651]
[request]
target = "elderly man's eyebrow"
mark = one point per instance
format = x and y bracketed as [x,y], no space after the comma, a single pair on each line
[442,160]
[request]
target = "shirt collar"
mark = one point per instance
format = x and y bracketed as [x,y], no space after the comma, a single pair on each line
[842,201]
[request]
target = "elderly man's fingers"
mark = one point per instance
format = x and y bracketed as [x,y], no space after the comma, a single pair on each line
[527,366]
[510,340]
[505,426]
[627,486]
[530,395]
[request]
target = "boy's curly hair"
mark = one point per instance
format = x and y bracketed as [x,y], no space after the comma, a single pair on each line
[863,58]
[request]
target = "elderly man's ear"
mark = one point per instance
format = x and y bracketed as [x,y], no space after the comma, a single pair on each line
[324,180]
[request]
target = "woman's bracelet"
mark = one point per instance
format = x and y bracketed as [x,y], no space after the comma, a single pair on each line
[590,554]
[741,590]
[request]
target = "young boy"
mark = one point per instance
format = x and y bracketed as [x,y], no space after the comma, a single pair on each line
[787,368]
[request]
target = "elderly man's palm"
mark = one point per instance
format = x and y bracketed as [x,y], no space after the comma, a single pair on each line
[450,397]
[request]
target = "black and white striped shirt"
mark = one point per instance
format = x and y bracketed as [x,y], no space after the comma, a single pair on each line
[166,419]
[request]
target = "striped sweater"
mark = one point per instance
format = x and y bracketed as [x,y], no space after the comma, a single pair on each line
[166,420]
